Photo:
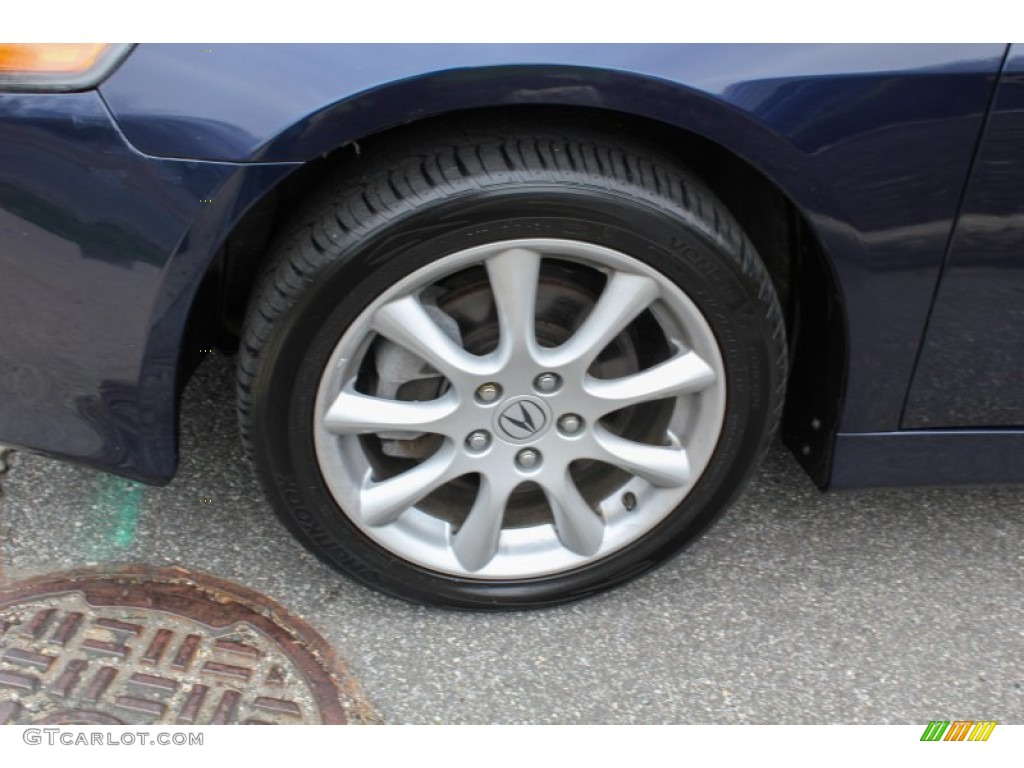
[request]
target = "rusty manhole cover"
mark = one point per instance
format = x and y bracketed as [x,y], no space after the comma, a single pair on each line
[163,646]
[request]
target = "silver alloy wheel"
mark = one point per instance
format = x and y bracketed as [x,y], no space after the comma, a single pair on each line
[521,416]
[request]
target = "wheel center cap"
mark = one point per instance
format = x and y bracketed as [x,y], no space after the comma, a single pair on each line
[522,420]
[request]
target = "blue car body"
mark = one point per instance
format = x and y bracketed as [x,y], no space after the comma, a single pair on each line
[124,211]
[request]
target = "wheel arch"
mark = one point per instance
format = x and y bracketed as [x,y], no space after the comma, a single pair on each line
[763,180]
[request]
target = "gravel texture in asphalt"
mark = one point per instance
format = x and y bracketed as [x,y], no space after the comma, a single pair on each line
[883,606]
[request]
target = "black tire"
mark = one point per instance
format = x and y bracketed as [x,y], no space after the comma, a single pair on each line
[437,192]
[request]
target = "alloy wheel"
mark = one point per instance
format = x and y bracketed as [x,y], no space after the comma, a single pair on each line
[519,409]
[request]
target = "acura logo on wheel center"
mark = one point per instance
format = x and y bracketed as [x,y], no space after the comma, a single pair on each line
[522,419]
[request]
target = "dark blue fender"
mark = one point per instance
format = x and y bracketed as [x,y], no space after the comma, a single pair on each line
[101,250]
[871,143]
[965,408]
[971,366]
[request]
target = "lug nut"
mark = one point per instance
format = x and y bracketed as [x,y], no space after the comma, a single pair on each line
[488,393]
[570,423]
[478,441]
[547,382]
[528,458]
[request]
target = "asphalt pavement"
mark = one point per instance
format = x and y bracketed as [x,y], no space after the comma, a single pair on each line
[880,606]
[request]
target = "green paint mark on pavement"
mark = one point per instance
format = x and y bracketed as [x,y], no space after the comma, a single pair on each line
[117,502]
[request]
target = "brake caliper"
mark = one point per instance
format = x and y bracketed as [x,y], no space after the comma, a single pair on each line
[401,375]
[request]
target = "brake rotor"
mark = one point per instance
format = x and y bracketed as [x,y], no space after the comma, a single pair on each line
[142,645]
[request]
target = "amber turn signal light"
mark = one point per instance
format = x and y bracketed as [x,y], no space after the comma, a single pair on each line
[49,58]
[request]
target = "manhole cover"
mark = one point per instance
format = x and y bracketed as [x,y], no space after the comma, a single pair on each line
[163,646]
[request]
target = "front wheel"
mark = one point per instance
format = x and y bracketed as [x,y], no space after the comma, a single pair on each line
[511,369]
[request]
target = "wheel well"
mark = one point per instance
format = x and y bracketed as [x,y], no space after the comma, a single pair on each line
[796,261]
